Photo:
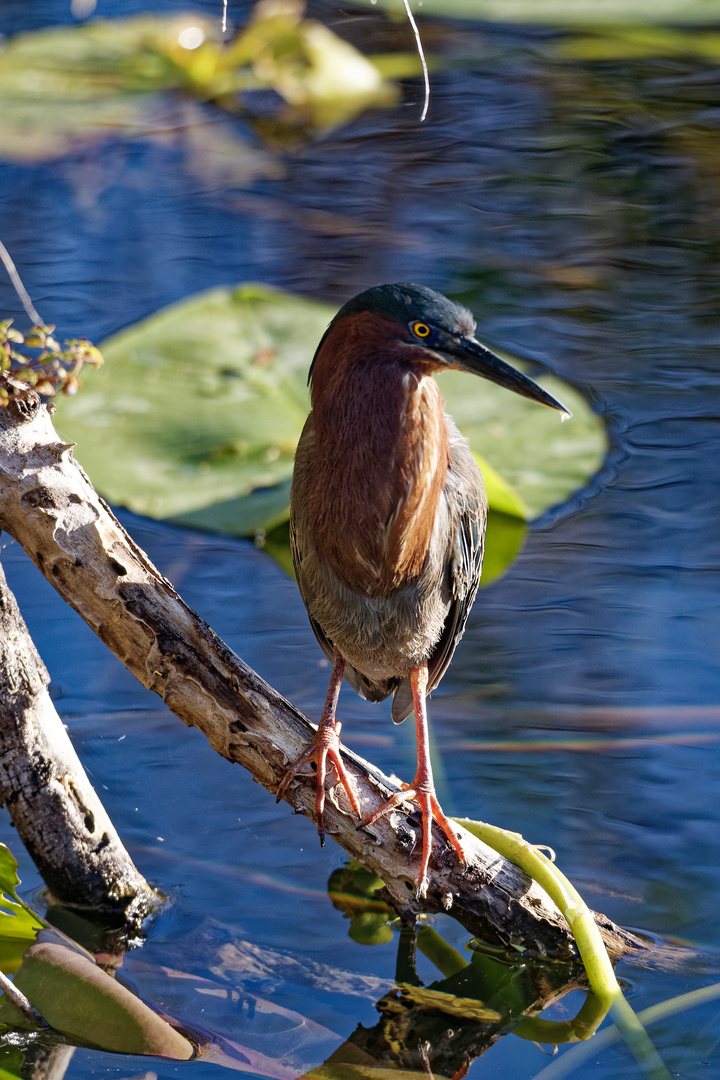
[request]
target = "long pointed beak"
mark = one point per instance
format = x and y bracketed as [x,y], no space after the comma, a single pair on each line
[470,355]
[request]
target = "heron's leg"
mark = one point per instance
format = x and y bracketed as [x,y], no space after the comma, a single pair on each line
[422,790]
[326,743]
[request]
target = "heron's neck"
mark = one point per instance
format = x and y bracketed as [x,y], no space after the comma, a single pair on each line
[380,462]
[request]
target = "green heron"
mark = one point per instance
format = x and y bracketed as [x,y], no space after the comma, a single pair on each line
[388,514]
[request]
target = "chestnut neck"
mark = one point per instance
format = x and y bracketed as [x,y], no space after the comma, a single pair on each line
[380,456]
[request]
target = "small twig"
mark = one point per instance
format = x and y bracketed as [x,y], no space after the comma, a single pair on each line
[20,289]
[423,61]
[21,1002]
[224,17]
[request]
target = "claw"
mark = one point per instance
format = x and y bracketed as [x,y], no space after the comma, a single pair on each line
[423,795]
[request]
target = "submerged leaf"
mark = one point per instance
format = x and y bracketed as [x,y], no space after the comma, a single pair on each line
[83,1002]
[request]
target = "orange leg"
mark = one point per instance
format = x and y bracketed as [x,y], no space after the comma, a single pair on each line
[326,743]
[422,789]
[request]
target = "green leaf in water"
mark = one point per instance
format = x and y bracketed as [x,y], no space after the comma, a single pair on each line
[84,1003]
[234,362]
[638,42]
[12,1056]
[500,495]
[541,460]
[107,78]
[503,540]
[18,923]
[562,12]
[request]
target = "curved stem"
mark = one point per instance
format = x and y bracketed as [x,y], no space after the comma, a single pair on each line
[593,953]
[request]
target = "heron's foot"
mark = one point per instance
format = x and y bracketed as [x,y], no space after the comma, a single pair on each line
[423,795]
[325,744]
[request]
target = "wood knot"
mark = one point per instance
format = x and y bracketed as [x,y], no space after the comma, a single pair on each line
[23,403]
[38,499]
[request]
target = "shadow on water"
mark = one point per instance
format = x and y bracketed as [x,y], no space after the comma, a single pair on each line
[574,206]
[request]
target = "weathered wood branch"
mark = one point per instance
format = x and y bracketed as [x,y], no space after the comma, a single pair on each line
[52,804]
[49,506]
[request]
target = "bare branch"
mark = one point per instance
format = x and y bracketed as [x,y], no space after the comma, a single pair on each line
[52,804]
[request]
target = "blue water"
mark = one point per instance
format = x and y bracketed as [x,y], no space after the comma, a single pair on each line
[576,208]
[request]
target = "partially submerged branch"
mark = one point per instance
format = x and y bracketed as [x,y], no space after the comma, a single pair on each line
[52,804]
[49,506]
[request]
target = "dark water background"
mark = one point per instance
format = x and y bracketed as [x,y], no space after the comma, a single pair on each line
[576,208]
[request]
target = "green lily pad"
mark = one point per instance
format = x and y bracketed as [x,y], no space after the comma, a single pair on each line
[541,459]
[107,77]
[504,539]
[500,495]
[195,417]
[84,1003]
[11,1056]
[639,42]
[569,13]
[200,406]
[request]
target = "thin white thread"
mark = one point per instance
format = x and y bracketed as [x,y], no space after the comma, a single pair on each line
[421,54]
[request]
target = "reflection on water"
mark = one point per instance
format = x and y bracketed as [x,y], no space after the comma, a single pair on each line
[574,207]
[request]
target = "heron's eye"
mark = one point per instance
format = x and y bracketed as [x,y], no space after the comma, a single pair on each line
[420,329]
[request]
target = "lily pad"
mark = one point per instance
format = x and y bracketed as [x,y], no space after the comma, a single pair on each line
[83,1002]
[109,78]
[195,416]
[199,406]
[569,13]
[640,42]
[540,459]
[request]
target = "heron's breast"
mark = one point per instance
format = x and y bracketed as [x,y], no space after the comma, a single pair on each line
[372,482]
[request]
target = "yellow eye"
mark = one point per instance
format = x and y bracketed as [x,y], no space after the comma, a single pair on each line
[421,329]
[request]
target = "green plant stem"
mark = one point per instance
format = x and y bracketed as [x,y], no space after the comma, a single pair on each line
[557,1032]
[447,960]
[600,973]
[611,1035]
[593,953]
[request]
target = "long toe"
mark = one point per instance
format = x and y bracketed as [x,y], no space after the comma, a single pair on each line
[430,811]
[326,743]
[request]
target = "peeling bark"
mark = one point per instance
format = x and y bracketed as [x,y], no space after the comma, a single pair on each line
[49,506]
[53,805]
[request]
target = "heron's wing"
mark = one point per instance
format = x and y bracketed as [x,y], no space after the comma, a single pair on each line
[299,540]
[468,513]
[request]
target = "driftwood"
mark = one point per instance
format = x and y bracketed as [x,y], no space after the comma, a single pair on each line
[49,506]
[52,804]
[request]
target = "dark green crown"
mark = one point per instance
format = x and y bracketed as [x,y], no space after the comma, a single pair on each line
[405,302]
